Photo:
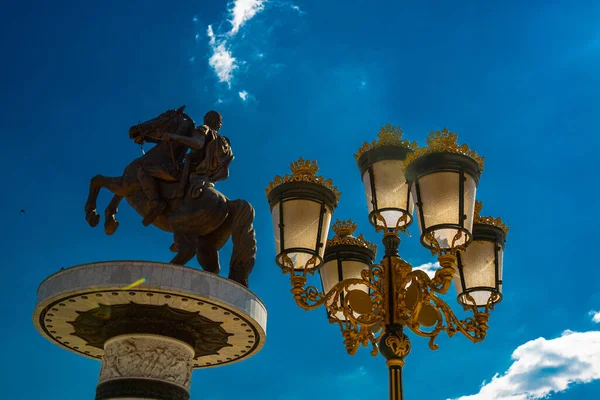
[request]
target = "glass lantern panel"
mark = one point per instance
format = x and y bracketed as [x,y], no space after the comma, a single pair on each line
[479,266]
[500,267]
[301,226]
[479,270]
[440,205]
[469,205]
[325,230]
[330,277]
[276,229]
[439,198]
[391,191]
[481,297]
[368,193]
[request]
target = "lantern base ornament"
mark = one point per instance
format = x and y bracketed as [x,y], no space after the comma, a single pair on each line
[150,323]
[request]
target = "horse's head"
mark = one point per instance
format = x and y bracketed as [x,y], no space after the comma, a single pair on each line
[151,130]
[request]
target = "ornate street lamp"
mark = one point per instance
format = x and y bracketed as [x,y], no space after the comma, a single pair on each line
[373,303]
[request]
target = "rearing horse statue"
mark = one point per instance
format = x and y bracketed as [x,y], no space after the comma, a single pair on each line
[173,189]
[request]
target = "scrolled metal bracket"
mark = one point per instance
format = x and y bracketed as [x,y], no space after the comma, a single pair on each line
[363,312]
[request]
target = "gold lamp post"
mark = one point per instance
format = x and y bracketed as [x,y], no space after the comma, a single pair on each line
[373,303]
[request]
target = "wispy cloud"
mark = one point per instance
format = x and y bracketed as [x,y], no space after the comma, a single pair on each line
[296,8]
[595,316]
[542,367]
[242,11]
[243,95]
[222,60]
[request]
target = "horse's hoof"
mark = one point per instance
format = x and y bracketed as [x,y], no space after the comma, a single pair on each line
[110,226]
[92,218]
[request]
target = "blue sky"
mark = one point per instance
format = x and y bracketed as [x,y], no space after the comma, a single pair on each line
[518,81]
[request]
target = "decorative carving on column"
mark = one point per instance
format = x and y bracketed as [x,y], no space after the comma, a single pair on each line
[149,357]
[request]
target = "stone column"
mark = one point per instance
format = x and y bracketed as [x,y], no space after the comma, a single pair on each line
[145,366]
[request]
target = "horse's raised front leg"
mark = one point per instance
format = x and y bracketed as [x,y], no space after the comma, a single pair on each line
[243,255]
[110,222]
[115,185]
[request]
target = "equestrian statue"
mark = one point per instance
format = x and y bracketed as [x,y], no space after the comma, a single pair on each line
[172,187]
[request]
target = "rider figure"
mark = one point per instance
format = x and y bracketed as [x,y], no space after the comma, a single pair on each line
[149,175]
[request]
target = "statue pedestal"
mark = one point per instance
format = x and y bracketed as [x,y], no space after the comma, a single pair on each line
[152,335]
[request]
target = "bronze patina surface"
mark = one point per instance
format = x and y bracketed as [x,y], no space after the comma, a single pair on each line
[172,187]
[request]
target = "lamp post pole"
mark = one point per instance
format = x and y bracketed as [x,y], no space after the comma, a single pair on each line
[394,345]
[376,303]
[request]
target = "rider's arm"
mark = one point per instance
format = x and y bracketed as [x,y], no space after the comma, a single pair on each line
[195,142]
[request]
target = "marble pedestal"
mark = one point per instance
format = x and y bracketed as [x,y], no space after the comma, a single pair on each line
[151,336]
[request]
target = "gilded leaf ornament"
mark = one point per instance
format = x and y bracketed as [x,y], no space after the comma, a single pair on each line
[304,171]
[444,141]
[344,231]
[497,222]
[389,135]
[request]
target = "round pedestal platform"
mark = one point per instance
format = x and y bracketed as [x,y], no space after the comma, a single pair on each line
[82,308]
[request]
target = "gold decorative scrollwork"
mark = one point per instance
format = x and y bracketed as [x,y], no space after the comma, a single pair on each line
[417,305]
[400,345]
[356,328]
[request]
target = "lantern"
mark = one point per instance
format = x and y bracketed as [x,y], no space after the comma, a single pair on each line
[302,204]
[346,257]
[389,199]
[478,280]
[443,178]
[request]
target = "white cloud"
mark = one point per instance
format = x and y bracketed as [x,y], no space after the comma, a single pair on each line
[242,11]
[211,35]
[222,60]
[542,367]
[595,316]
[429,268]
[296,8]
[243,95]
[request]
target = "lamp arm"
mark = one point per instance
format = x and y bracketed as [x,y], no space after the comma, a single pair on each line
[443,318]
[357,329]
[335,301]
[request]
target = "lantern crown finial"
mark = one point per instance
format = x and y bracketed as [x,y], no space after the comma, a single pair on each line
[304,171]
[304,167]
[343,236]
[389,135]
[444,141]
[344,228]
[497,222]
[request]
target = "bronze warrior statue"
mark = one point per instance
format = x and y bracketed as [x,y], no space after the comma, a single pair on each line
[172,187]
